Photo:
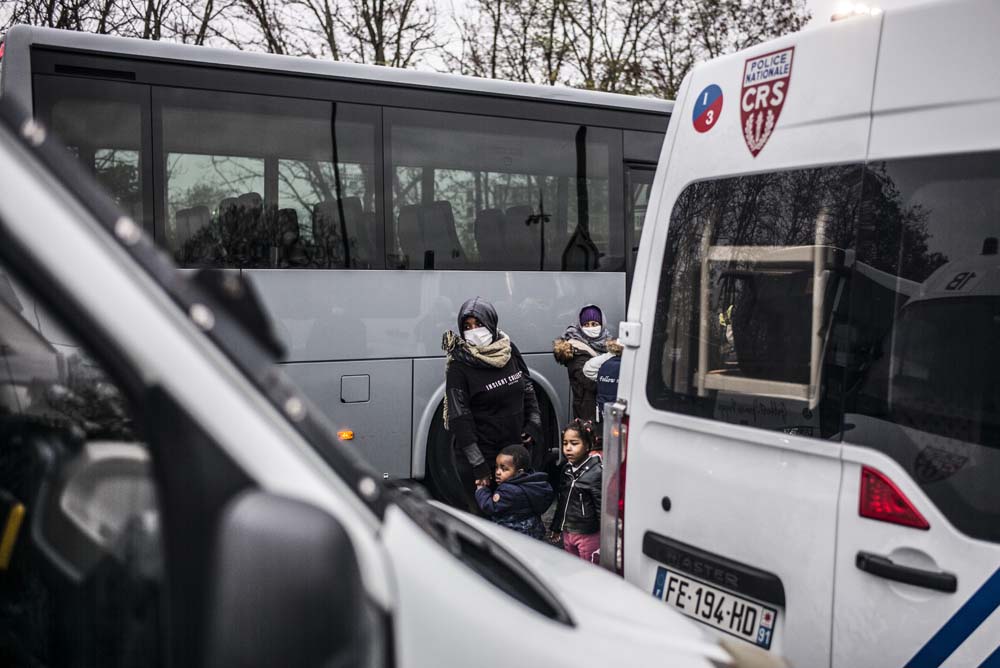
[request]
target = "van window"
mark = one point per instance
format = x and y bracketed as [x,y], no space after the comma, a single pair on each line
[751,275]
[82,584]
[846,303]
[928,386]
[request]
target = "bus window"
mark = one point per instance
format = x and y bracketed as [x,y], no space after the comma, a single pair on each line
[254,181]
[101,124]
[473,192]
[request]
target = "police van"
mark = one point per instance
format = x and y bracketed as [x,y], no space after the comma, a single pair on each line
[169,498]
[805,453]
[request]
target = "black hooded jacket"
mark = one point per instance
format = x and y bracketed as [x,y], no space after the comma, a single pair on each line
[579,509]
[489,407]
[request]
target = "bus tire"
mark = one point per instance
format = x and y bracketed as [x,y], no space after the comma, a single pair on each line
[443,477]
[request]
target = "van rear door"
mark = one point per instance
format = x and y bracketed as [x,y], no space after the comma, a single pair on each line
[917,577]
[733,468]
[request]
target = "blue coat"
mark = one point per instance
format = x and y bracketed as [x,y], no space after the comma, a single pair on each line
[518,503]
[607,382]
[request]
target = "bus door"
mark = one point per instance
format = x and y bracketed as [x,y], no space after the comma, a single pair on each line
[638,182]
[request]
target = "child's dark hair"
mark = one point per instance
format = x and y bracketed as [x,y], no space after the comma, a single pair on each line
[520,455]
[588,433]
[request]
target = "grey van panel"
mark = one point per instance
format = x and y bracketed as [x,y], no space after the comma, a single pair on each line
[381,424]
[326,315]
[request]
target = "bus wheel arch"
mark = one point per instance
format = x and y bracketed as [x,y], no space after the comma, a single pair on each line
[433,458]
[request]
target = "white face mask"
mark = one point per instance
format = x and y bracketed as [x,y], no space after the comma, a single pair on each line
[592,332]
[479,336]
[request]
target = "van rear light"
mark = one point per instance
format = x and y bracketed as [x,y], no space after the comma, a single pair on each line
[882,500]
[2,44]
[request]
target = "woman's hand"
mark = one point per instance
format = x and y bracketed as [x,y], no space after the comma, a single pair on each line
[527,440]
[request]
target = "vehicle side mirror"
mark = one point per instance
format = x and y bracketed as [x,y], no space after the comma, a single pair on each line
[287,589]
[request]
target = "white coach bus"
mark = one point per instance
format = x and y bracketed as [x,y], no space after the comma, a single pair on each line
[364,203]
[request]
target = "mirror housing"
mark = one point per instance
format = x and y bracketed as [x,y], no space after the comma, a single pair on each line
[287,589]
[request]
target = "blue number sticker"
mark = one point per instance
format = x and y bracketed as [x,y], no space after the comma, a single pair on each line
[707,108]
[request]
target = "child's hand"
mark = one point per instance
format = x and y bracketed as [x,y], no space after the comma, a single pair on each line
[482,482]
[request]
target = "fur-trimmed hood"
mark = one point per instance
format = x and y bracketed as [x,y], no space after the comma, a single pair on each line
[562,351]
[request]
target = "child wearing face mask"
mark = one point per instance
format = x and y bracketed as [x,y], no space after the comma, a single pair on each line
[521,495]
[582,341]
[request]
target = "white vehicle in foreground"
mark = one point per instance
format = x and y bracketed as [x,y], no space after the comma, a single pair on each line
[169,499]
[810,388]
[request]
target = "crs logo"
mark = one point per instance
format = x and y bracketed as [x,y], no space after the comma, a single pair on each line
[765,88]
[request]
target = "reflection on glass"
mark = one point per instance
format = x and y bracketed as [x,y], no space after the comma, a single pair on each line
[846,303]
[256,181]
[105,136]
[928,388]
[474,192]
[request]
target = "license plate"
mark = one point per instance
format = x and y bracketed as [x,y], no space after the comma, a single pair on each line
[715,607]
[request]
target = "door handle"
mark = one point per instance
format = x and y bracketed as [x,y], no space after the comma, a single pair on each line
[886,568]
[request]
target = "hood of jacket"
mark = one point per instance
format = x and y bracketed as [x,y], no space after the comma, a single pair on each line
[481,310]
[535,484]
[562,351]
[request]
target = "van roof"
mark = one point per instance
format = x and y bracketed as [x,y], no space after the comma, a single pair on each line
[203,55]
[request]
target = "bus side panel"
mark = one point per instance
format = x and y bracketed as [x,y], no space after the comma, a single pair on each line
[369,314]
[370,398]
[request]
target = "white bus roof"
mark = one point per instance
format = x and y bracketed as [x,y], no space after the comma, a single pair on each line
[22,36]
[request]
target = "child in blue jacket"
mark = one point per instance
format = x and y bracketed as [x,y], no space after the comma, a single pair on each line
[521,496]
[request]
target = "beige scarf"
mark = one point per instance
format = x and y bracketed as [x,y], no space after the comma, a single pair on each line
[495,354]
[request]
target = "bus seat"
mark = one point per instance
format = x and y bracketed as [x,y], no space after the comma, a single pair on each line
[251,201]
[357,231]
[368,222]
[489,228]
[226,204]
[524,247]
[328,236]
[229,216]
[191,221]
[441,236]
[411,236]
[251,206]
[293,252]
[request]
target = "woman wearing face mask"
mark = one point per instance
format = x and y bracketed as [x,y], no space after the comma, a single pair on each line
[581,342]
[490,402]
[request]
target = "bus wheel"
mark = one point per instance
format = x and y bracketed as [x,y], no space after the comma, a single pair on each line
[442,477]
